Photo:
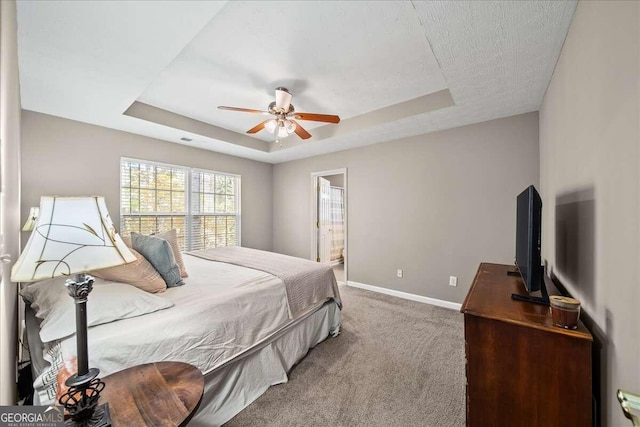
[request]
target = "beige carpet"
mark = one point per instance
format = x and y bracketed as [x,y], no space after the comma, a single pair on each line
[396,362]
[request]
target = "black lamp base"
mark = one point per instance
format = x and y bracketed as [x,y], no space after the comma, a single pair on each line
[81,402]
[100,418]
[81,399]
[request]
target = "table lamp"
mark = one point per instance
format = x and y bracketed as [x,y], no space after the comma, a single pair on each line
[71,236]
[31,220]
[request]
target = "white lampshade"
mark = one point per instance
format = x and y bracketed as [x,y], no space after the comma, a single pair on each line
[31,220]
[283,99]
[290,126]
[282,132]
[271,125]
[72,235]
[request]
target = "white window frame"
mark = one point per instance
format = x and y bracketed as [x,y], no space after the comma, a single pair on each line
[188,215]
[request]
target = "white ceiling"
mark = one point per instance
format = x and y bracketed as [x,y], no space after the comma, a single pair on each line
[335,59]
[389,69]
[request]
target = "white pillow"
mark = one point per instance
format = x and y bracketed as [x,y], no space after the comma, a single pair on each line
[108,302]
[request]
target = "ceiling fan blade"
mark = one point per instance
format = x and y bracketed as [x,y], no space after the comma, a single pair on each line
[244,110]
[257,128]
[327,118]
[300,131]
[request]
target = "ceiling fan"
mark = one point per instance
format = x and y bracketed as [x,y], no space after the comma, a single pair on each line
[284,122]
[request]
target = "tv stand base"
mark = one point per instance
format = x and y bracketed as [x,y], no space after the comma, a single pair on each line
[543,300]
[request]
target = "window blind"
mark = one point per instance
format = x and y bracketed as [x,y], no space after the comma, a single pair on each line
[203,206]
[214,209]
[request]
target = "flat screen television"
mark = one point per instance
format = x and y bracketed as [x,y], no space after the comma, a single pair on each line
[528,234]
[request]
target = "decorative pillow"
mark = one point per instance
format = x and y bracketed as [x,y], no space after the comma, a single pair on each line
[171,236]
[159,253]
[108,302]
[139,273]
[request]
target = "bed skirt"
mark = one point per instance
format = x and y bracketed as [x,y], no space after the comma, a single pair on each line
[236,384]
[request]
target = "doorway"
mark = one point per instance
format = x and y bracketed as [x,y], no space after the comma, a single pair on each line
[329,220]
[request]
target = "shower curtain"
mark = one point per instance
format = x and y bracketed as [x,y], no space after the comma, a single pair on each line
[337,223]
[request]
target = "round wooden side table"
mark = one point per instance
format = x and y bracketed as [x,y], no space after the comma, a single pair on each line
[155,394]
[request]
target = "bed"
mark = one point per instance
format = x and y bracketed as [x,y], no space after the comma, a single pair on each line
[244,328]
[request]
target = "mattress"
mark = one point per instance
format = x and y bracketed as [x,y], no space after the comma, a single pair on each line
[225,315]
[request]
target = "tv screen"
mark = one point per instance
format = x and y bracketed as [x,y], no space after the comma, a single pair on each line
[528,229]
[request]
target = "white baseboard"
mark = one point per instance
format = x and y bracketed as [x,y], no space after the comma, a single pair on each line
[406,295]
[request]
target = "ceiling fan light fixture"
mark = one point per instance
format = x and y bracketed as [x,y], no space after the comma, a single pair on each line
[282,132]
[290,126]
[281,126]
[271,125]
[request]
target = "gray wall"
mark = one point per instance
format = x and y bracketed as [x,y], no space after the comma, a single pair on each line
[68,158]
[434,205]
[589,136]
[335,180]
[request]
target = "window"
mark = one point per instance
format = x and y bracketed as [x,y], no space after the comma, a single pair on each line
[203,206]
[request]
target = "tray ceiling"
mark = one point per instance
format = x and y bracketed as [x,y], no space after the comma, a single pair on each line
[389,69]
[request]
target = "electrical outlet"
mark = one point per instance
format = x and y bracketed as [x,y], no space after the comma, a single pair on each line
[453,281]
[399,273]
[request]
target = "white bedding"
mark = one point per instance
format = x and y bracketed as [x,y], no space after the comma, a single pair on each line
[222,311]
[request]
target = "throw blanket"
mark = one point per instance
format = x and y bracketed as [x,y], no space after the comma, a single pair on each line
[306,282]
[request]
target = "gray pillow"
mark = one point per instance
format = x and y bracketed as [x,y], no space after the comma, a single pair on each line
[158,252]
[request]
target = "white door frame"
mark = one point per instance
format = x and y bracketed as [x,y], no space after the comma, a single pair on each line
[314,216]
[10,219]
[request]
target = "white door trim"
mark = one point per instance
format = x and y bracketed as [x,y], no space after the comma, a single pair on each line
[313,254]
[10,218]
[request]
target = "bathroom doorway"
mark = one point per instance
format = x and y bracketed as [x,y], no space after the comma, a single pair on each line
[329,220]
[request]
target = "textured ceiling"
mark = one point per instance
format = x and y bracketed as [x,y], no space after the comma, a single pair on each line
[374,63]
[366,61]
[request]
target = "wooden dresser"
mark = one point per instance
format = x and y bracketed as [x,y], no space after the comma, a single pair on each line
[522,370]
